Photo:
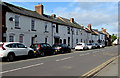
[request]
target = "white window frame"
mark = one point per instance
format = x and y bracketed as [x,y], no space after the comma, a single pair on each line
[32,24]
[17,21]
[21,38]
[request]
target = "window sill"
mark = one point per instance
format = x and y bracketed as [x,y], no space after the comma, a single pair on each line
[33,30]
[46,32]
[17,28]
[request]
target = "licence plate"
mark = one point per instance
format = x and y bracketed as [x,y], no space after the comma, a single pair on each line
[34,51]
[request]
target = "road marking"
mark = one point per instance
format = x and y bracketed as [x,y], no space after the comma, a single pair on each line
[63,59]
[21,68]
[40,58]
[49,56]
[81,54]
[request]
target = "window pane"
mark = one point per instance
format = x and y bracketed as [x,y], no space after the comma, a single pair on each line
[16,21]
[11,38]
[21,38]
[56,28]
[20,46]
[32,24]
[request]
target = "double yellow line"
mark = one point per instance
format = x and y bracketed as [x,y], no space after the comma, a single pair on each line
[98,68]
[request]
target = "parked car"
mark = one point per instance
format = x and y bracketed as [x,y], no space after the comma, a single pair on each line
[95,45]
[102,45]
[81,46]
[10,50]
[42,49]
[61,48]
[90,46]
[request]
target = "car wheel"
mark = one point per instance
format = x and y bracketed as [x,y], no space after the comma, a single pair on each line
[10,57]
[69,51]
[83,48]
[54,53]
[62,52]
[42,54]
[31,54]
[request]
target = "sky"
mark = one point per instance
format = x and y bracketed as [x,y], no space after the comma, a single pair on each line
[98,14]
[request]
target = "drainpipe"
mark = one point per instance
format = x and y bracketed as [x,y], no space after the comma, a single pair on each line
[72,37]
[52,33]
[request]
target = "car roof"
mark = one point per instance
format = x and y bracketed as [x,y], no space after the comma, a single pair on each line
[39,43]
[8,42]
[80,43]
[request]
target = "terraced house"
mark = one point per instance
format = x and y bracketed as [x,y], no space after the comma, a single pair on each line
[26,26]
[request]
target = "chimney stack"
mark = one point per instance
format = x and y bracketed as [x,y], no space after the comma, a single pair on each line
[72,20]
[89,26]
[39,9]
[82,26]
[103,30]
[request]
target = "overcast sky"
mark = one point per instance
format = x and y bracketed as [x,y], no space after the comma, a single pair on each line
[98,14]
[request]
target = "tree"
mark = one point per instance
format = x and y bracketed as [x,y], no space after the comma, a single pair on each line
[113,37]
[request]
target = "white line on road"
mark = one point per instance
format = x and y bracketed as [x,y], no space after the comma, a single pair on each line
[84,54]
[63,59]
[21,68]
[81,54]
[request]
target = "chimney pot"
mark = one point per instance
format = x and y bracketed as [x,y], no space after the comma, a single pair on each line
[82,26]
[89,26]
[39,9]
[53,15]
[72,20]
[103,30]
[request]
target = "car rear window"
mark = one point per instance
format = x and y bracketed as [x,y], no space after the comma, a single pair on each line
[79,44]
[9,46]
[56,45]
[89,44]
[34,46]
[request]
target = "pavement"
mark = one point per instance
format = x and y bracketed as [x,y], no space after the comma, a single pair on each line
[110,70]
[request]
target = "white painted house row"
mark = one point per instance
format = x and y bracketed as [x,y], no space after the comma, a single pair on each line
[28,27]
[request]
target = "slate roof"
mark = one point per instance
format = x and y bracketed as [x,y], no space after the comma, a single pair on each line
[74,24]
[98,31]
[91,31]
[22,11]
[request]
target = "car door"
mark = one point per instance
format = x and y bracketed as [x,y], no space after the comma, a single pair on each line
[43,48]
[48,48]
[22,49]
[67,48]
[64,47]
[14,48]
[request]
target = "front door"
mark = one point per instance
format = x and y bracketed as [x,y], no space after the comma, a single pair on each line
[32,40]
[56,40]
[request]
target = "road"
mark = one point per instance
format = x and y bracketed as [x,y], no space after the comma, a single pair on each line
[76,63]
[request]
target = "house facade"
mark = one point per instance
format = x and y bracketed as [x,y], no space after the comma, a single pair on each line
[28,27]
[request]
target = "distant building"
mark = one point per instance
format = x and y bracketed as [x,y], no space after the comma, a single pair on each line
[108,40]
